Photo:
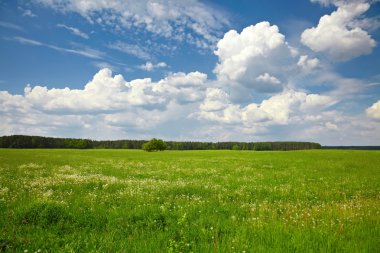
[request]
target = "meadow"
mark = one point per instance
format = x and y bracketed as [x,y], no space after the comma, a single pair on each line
[189,201]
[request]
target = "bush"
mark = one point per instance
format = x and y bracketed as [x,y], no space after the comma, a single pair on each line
[154,145]
[236,147]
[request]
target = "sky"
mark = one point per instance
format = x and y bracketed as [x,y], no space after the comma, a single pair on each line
[192,70]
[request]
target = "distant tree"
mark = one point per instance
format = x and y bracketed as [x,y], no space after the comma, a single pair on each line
[262,146]
[154,145]
[236,147]
[24,141]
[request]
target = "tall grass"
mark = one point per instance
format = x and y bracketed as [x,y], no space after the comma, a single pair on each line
[189,201]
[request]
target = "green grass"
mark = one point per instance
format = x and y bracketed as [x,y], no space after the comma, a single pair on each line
[189,201]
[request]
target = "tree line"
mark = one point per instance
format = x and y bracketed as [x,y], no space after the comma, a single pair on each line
[24,141]
[353,147]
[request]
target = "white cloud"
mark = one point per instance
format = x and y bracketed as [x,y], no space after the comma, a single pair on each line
[191,106]
[26,41]
[84,51]
[107,106]
[336,128]
[365,23]
[140,94]
[189,20]
[374,111]
[315,101]
[110,107]
[342,88]
[134,50]
[276,110]
[216,100]
[104,65]
[280,106]
[337,35]
[258,58]
[308,64]
[149,66]
[111,103]
[183,88]
[185,80]
[331,126]
[11,26]
[339,2]
[103,93]
[323,2]
[106,93]
[28,13]
[74,31]
[266,78]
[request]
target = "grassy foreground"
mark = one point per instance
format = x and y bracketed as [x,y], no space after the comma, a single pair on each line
[189,201]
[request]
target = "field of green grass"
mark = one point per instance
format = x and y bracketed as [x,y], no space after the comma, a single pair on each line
[189,201]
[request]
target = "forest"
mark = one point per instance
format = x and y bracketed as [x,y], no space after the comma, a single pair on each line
[24,141]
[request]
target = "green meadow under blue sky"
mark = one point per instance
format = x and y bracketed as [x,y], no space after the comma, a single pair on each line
[305,70]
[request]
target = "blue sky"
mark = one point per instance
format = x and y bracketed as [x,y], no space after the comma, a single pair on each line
[192,70]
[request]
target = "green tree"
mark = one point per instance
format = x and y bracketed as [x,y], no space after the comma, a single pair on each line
[154,145]
[236,147]
[261,146]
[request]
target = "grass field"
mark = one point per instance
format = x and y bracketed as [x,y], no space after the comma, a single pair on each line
[189,201]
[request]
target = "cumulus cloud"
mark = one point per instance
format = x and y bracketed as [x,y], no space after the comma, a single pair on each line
[365,23]
[216,100]
[276,110]
[338,34]
[336,128]
[374,111]
[266,78]
[149,66]
[108,93]
[106,107]
[198,108]
[258,57]
[308,64]
[280,106]
[191,20]
[109,105]
[183,88]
